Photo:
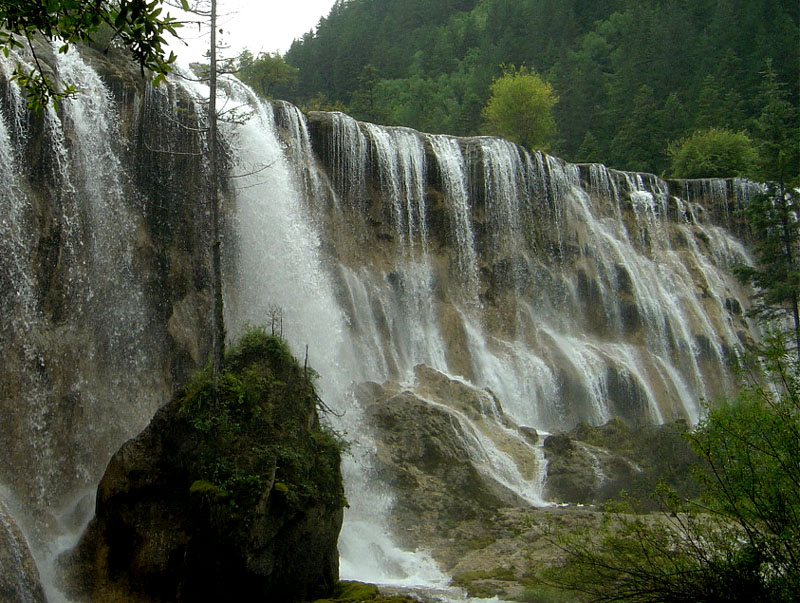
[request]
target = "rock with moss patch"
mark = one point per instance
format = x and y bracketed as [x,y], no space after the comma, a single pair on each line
[360,592]
[234,496]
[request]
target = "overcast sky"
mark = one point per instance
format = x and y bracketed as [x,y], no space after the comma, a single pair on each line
[259,25]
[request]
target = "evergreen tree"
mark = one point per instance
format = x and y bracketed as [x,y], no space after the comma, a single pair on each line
[773,215]
[364,102]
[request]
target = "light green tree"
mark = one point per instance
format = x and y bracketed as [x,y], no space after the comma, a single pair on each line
[520,108]
[713,153]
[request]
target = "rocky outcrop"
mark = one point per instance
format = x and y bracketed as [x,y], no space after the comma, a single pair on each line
[595,464]
[437,447]
[236,498]
[19,578]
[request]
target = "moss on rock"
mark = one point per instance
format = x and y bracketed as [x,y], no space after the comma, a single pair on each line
[262,390]
[359,592]
[231,493]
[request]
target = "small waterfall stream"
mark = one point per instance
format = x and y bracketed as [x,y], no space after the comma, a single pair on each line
[551,293]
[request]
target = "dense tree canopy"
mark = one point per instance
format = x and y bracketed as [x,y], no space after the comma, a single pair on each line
[632,76]
[267,73]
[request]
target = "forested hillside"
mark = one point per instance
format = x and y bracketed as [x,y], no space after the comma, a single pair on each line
[630,75]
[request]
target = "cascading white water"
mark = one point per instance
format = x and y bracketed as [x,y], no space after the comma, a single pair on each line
[571,293]
[537,226]
[81,356]
[453,171]
[278,266]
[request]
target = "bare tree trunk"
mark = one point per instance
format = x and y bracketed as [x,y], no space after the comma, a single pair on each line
[218,321]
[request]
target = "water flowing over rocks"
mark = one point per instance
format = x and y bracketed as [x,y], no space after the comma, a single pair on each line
[19,578]
[103,250]
[497,295]
[575,293]
[446,451]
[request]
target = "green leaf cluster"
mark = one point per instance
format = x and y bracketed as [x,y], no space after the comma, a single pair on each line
[138,25]
[520,108]
[713,153]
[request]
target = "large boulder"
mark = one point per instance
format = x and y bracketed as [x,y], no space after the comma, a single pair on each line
[235,497]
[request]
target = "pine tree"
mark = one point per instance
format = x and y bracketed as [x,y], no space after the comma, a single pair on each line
[773,216]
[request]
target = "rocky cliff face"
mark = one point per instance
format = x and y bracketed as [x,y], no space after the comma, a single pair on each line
[591,465]
[103,281]
[19,578]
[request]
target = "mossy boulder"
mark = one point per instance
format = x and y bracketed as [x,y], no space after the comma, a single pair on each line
[228,494]
[359,592]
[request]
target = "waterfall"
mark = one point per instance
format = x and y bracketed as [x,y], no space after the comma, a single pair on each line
[544,293]
[452,170]
[84,352]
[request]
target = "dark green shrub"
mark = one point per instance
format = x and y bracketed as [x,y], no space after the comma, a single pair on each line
[260,432]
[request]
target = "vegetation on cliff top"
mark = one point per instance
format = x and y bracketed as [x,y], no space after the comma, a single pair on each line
[632,76]
[138,26]
[521,108]
[262,390]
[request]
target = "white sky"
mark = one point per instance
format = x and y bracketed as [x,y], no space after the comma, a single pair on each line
[259,25]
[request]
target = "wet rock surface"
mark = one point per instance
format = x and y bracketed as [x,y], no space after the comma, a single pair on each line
[595,464]
[426,453]
[19,577]
[486,536]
